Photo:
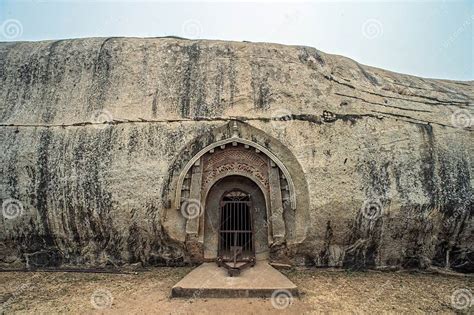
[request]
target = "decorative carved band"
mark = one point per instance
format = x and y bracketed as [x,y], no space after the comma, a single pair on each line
[234,140]
[235,160]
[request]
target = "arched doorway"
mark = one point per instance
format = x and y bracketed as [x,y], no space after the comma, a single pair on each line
[236,215]
[218,157]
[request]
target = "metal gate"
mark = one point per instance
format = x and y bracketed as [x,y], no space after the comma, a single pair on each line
[236,237]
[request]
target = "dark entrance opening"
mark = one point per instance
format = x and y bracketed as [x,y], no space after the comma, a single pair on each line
[236,236]
[224,191]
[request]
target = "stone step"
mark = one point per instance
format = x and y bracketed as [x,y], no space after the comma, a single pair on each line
[210,281]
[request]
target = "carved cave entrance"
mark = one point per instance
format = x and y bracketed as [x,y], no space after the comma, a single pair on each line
[243,194]
[237,170]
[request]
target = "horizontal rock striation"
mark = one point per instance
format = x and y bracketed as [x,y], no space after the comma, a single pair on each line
[92,128]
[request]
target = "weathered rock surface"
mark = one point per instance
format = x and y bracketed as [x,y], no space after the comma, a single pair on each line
[91,193]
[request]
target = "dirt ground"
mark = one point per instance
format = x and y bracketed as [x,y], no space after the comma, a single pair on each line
[148,292]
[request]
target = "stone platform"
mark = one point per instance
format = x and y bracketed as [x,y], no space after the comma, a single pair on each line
[209,281]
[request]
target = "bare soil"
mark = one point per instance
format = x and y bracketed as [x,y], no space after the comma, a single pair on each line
[148,292]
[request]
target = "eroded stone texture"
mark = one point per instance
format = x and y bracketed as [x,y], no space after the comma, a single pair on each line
[93,194]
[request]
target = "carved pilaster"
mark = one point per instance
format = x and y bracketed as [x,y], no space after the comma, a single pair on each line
[192,224]
[276,205]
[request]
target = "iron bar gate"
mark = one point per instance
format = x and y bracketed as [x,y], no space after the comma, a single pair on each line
[236,231]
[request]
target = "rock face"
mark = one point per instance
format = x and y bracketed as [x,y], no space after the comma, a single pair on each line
[385,159]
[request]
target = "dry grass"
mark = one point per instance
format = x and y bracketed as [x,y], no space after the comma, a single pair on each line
[377,292]
[148,292]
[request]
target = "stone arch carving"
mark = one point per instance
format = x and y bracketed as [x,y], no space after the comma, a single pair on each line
[237,158]
[233,140]
[218,178]
[236,148]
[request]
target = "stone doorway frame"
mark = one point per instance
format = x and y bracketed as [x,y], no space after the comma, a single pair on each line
[288,212]
[197,193]
[210,220]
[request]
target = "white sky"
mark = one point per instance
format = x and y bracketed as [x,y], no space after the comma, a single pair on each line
[424,38]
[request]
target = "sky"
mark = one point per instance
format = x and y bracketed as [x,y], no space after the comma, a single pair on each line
[432,39]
